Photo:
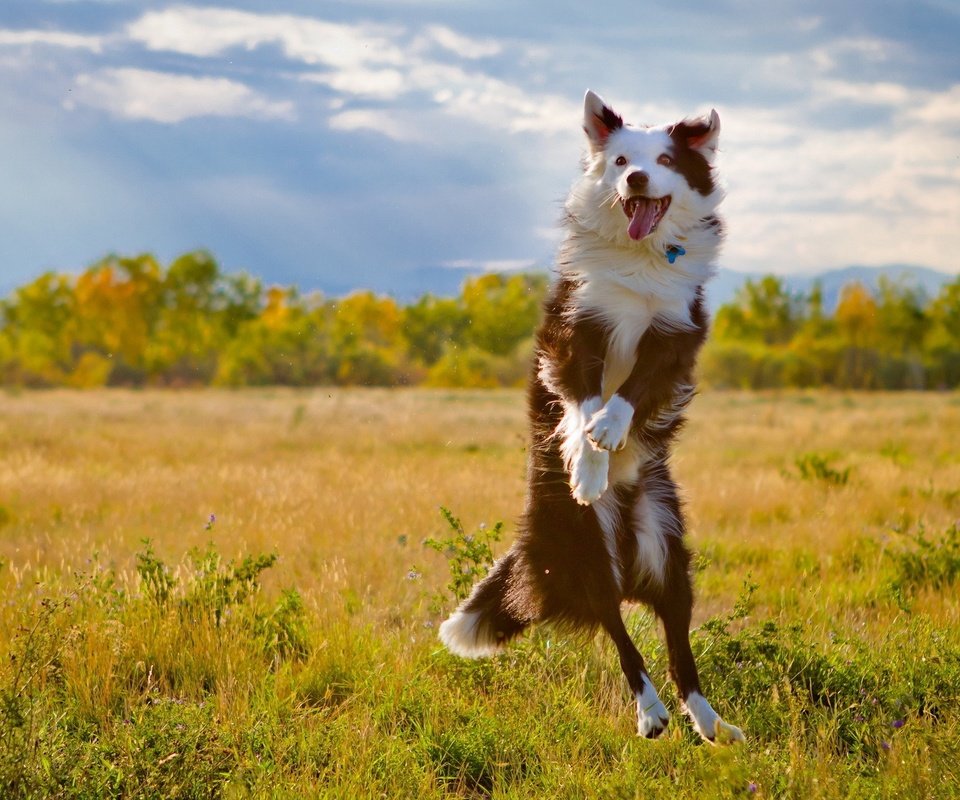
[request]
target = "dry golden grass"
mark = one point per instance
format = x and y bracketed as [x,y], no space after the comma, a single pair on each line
[331,479]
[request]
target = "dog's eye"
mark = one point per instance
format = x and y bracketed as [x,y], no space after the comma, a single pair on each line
[665,161]
[621,161]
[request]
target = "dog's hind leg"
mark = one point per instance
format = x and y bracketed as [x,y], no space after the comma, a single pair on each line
[487,620]
[652,716]
[674,606]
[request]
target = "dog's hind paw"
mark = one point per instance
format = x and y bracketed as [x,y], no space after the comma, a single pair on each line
[652,714]
[708,723]
[725,733]
[588,476]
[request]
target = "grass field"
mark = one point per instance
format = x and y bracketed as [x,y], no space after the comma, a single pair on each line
[197,665]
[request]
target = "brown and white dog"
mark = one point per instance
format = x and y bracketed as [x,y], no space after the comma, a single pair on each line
[613,375]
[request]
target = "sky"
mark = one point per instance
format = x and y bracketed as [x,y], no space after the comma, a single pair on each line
[399,145]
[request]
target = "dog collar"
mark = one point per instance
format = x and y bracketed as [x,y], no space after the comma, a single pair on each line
[673,251]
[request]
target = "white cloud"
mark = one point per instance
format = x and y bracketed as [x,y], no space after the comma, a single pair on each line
[212,31]
[806,196]
[378,121]
[463,46]
[163,97]
[830,55]
[365,61]
[493,265]
[940,108]
[381,84]
[52,38]
[880,94]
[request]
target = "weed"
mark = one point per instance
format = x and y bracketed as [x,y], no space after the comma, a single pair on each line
[214,587]
[33,661]
[155,577]
[470,556]
[815,467]
[933,563]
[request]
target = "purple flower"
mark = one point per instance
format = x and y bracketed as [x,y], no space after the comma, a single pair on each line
[898,723]
[885,745]
[752,787]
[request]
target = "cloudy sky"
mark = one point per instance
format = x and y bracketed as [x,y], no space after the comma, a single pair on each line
[384,143]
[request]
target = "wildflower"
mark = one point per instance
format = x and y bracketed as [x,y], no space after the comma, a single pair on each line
[752,787]
[898,723]
[885,746]
[412,575]
[213,519]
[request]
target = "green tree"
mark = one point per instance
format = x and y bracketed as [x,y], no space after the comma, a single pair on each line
[763,310]
[942,337]
[502,311]
[431,325]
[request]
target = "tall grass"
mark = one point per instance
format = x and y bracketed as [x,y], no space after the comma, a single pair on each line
[286,645]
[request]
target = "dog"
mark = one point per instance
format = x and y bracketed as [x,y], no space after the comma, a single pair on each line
[612,376]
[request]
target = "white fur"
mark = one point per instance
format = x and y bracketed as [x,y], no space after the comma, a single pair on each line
[652,715]
[609,427]
[607,509]
[587,466]
[652,524]
[708,723]
[653,521]
[589,473]
[462,635]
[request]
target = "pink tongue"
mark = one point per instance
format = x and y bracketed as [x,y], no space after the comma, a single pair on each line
[643,218]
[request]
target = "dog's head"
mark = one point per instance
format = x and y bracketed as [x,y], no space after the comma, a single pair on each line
[645,184]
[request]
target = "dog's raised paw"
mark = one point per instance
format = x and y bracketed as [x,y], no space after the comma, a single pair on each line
[609,427]
[588,476]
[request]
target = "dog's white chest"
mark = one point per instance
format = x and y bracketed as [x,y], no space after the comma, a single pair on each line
[629,304]
[621,355]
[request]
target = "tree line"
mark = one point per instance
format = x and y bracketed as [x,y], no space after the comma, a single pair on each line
[130,321]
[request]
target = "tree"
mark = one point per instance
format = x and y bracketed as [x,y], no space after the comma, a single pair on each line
[762,310]
[502,311]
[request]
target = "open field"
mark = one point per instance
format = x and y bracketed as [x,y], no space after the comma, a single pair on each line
[828,606]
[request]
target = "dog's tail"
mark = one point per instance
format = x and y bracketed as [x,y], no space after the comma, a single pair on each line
[491,616]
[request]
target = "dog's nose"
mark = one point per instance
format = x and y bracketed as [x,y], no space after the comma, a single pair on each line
[638,179]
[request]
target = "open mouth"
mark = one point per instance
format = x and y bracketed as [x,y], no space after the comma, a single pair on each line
[644,213]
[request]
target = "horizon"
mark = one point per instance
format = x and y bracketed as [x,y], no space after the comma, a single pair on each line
[334,152]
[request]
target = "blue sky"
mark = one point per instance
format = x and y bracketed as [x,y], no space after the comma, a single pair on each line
[367,144]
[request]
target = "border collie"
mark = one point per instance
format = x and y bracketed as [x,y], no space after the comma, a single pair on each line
[612,377]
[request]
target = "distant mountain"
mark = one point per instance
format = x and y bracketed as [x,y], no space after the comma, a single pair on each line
[723,288]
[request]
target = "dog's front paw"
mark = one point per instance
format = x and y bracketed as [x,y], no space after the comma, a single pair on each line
[588,476]
[609,427]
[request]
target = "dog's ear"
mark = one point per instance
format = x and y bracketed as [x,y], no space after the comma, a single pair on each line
[599,120]
[701,134]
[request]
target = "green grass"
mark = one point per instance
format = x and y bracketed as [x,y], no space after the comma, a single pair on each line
[286,647]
